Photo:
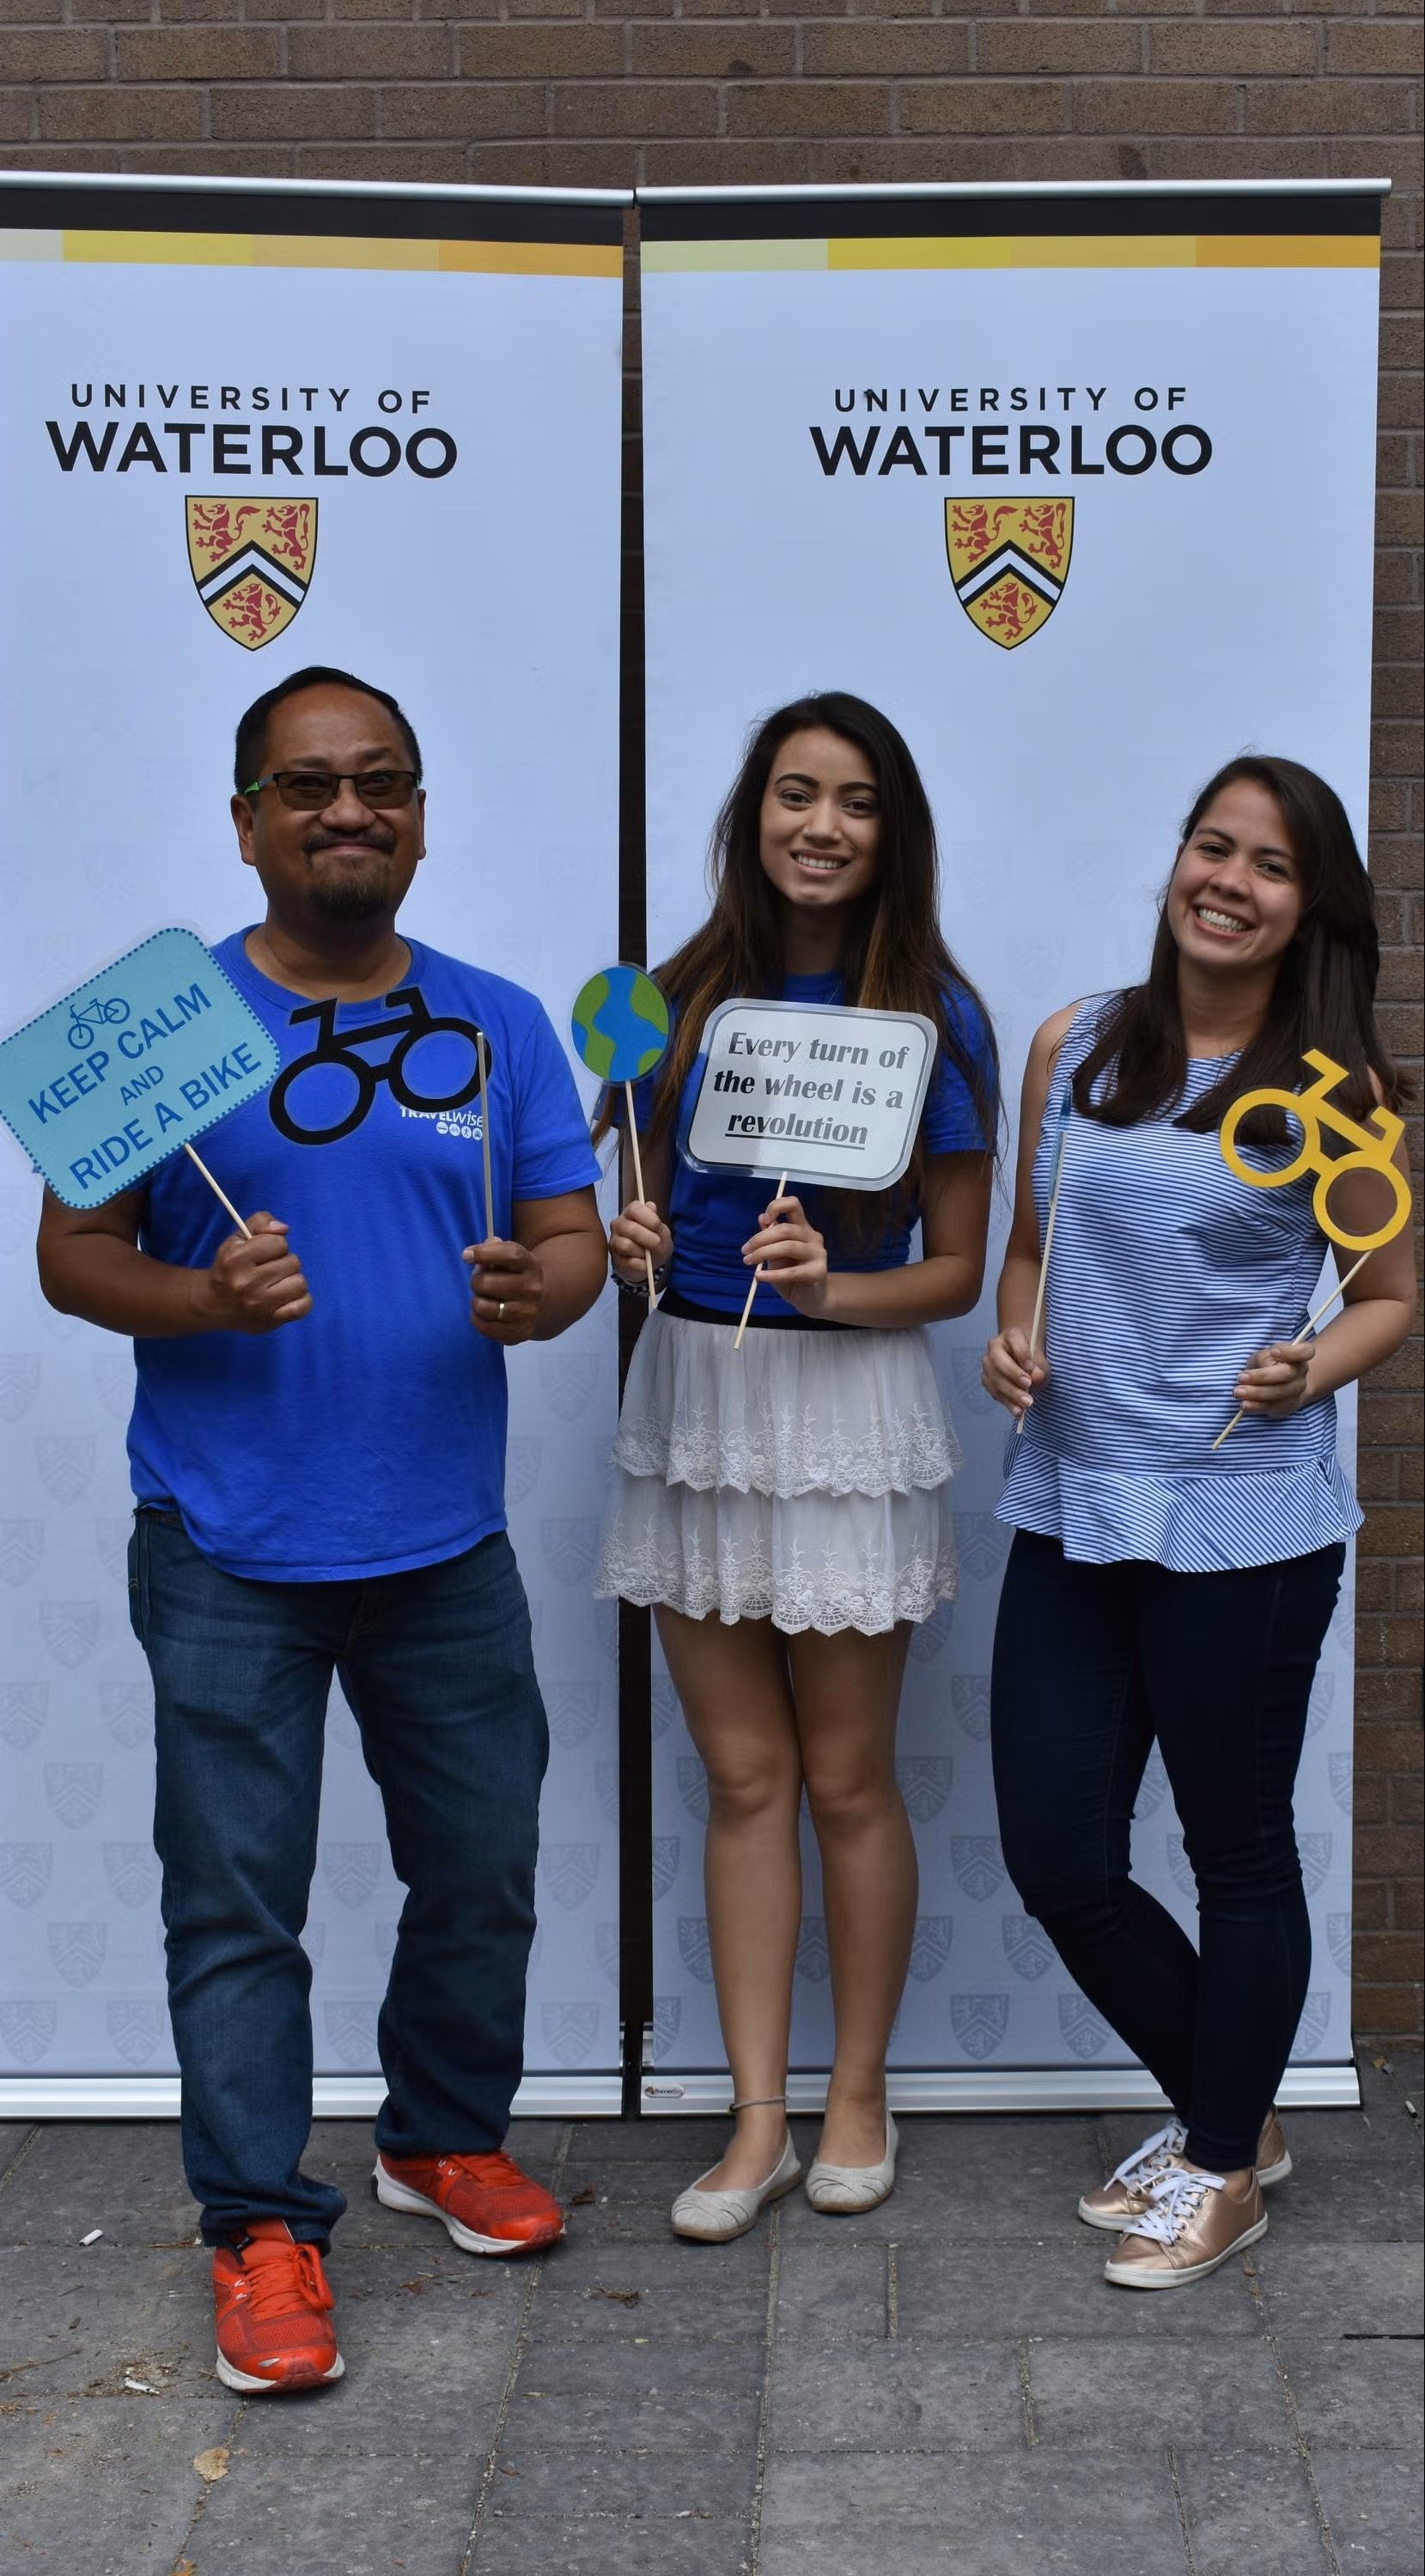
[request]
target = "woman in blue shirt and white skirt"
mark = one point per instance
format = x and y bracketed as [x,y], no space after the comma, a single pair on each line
[1158,1585]
[784,1507]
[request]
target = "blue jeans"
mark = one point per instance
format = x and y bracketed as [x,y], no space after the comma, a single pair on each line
[1091,1663]
[438,1670]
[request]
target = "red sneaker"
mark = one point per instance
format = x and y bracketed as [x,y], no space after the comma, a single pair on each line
[272,2308]
[487,2204]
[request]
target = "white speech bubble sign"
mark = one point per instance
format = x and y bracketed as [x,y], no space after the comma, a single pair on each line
[822,1093]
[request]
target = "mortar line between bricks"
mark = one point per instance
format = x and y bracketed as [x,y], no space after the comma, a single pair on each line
[200,2501]
[1254,2287]
[487,2477]
[764,2403]
[1100,2139]
[893,2293]
[1028,2425]
[1178,2500]
[18,2158]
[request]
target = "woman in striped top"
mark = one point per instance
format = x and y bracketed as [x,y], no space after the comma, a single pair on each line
[1157,1587]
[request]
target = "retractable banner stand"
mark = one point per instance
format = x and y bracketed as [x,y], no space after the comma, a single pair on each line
[1078,486]
[243,430]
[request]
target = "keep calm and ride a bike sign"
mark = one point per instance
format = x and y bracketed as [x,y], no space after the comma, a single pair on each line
[132,1066]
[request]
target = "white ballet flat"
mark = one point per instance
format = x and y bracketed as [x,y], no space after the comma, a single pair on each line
[838,2190]
[715,2217]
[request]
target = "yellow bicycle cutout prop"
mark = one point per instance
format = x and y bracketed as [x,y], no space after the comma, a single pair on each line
[1373,1145]
[1312,1111]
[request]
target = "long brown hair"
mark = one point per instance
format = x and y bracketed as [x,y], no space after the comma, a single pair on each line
[1323,995]
[895,957]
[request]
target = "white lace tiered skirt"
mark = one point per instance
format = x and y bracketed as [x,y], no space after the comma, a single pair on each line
[803,1479]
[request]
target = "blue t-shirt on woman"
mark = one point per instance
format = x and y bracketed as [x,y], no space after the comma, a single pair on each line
[712,1214]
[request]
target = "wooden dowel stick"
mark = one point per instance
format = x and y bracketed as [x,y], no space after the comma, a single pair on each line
[752,1291]
[1043,1277]
[1341,1285]
[217,1193]
[1307,1329]
[638,1183]
[482,1057]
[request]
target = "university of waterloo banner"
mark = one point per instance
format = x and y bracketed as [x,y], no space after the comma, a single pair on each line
[1077,486]
[243,430]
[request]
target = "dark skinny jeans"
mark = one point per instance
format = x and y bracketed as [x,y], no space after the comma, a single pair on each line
[1091,1663]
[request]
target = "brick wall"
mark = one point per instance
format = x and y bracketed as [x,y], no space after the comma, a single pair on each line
[609,92]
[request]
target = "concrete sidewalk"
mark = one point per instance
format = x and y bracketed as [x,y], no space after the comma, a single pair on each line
[946,2385]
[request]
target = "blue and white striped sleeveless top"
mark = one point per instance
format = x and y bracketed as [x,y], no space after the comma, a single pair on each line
[1166,1272]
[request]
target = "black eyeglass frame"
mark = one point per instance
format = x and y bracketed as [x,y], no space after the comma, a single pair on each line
[334,780]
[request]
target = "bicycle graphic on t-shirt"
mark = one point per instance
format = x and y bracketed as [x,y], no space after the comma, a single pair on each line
[337,1047]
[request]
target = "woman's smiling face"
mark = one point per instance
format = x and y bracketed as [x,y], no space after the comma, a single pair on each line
[1235,899]
[820,823]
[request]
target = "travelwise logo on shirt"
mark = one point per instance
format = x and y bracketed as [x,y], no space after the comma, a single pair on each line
[463,1123]
[431,1071]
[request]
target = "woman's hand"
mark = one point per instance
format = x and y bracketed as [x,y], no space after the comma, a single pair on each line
[1009,1374]
[791,1255]
[1276,1382]
[636,1230]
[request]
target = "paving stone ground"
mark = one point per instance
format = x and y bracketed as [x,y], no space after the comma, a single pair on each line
[946,2388]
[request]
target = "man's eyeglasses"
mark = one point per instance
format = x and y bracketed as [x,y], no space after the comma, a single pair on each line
[312,790]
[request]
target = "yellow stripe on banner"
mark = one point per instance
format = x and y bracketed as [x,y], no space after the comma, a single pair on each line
[1037,250]
[300,250]
[534,259]
[668,257]
[314,250]
[1113,250]
[1289,250]
[135,250]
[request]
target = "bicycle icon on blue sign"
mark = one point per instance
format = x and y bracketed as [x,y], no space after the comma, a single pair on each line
[109,1014]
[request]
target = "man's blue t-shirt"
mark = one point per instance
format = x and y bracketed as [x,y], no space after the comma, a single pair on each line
[712,1214]
[369,1437]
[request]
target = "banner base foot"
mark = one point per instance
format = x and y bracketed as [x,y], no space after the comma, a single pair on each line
[334,2097]
[1019,2088]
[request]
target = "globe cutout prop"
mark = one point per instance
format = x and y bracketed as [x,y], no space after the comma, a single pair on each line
[620,1024]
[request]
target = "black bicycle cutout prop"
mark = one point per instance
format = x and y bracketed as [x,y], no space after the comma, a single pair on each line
[337,1047]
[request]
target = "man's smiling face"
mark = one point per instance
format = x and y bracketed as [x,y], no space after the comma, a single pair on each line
[344,860]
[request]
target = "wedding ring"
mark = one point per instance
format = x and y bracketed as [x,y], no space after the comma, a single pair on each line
[500,1312]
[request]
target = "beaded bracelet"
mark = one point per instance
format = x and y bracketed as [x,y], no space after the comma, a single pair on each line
[639,1287]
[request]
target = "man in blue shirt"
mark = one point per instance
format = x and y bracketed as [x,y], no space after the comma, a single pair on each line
[317,1448]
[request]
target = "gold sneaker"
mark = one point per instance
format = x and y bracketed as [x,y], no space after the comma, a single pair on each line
[1193,2222]
[1127,2192]
[1273,2159]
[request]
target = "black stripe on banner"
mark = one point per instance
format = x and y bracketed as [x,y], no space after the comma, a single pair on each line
[255,559]
[777,218]
[216,209]
[1019,568]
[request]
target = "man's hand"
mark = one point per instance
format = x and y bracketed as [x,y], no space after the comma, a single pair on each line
[253,1286]
[506,1290]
